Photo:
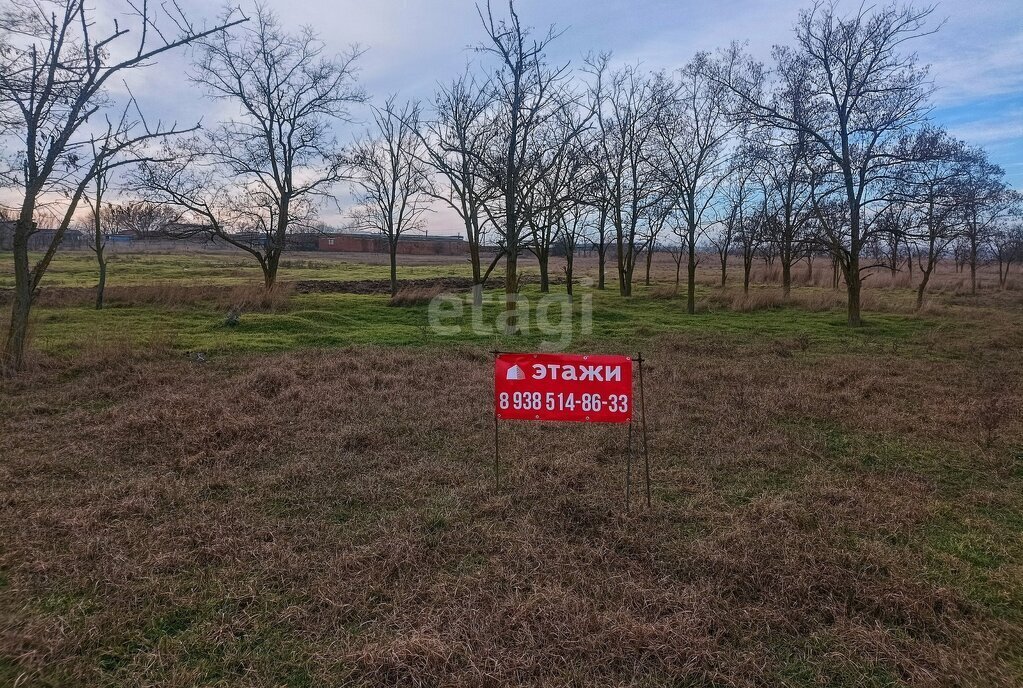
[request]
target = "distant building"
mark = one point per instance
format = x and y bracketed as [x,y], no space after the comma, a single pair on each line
[302,241]
[122,238]
[40,239]
[6,235]
[354,242]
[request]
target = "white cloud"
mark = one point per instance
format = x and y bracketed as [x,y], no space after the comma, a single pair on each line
[414,44]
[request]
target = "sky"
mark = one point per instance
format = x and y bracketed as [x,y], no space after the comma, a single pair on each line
[414,45]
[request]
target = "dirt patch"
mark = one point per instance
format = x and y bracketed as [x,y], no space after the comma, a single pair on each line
[381,286]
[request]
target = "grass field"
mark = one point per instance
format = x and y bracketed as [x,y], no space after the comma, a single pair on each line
[311,501]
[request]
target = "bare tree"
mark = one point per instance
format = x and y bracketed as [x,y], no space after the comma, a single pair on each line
[679,249]
[55,70]
[573,229]
[781,160]
[656,217]
[745,198]
[737,227]
[694,135]
[1007,245]
[860,93]
[628,105]
[526,91]
[749,237]
[266,170]
[987,202]
[599,233]
[390,177]
[893,232]
[99,227]
[556,182]
[457,143]
[145,220]
[932,189]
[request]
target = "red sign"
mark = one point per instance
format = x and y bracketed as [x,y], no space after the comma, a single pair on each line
[567,387]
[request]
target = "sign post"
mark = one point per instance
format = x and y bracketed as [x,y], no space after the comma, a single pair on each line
[580,388]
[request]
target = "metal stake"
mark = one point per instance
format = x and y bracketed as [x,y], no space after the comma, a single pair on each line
[497,444]
[497,456]
[628,471]
[642,417]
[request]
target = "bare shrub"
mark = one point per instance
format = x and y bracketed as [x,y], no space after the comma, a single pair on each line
[253,297]
[758,300]
[416,295]
[884,279]
[664,292]
[993,407]
[932,308]
[816,300]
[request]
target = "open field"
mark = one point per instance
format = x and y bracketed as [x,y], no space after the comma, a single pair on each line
[308,503]
[178,301]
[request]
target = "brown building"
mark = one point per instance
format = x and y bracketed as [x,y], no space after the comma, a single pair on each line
[352,242]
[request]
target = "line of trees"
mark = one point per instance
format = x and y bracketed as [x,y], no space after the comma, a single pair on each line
[828,150]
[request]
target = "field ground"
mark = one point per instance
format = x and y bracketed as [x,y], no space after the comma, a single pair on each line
[308,504]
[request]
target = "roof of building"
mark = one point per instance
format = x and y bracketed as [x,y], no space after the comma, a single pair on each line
[404,237]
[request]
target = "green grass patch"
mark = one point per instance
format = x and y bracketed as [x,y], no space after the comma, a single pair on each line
[79,269]
[972,542]
[339,320]
[820,661]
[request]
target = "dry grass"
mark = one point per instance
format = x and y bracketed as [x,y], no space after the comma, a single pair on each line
[315,519]
[247,297]
[664,291]
[415,295]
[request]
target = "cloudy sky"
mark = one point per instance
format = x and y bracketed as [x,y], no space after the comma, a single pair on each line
[412,45]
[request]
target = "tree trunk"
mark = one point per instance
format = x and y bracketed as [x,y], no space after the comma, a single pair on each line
[853,285]
[543,257]
[747,269]
[269,274]
[724,269]
[926,269]
[786,277]
[601,265]
[691,286]
[624,273]
[14,344]
[101,285]
[649,261]
[925,276]
[477,273]
[809,270]
[511,287]
[394,266]
[270,266]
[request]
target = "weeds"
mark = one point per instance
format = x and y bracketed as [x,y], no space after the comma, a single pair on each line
[416,295]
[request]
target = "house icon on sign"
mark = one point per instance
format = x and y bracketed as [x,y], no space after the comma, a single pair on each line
[515,373]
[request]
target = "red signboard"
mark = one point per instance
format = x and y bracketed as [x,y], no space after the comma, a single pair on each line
[565,387]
